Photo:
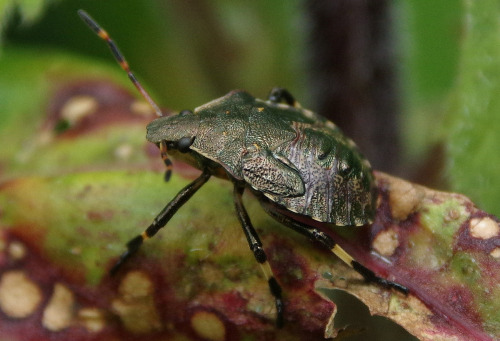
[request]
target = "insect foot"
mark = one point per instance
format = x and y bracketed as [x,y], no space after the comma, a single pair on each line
[370,276]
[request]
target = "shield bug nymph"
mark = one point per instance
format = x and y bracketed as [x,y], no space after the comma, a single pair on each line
[292,159]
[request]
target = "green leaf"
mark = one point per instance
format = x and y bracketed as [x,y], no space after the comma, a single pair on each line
[474,160]
[37,93]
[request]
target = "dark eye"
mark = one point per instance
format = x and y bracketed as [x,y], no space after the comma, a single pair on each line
[184,143]
[185,112]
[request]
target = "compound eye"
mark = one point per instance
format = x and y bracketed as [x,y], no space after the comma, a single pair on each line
[184,143]
[185,113]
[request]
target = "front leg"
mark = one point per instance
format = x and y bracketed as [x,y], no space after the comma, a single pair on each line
[162,219]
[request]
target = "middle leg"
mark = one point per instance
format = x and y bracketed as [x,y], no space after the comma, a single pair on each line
[258,251]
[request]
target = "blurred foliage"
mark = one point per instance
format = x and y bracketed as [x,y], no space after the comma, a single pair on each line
[474,111]
[429,37]
[188,52]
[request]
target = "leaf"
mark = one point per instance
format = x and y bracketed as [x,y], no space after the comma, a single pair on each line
[200,263]
[473,139]
[59,101]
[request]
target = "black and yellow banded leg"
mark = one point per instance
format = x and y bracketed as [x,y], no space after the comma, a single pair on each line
[162,219]
[259,253]
[329,243]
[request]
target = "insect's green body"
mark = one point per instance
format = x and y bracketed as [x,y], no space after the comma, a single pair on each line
[291,155]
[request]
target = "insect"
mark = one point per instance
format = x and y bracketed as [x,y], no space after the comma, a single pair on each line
[292,159]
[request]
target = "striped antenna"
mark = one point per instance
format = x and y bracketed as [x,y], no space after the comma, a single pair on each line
[166,160]
[118,56]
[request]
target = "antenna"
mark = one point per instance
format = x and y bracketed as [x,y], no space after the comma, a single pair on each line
[94,26]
